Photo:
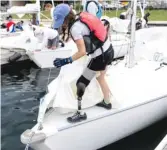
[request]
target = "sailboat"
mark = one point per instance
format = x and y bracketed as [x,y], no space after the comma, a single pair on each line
[140,99]
[121,26]
[14,45]
[119,39]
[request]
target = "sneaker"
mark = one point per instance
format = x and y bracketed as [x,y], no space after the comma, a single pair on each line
[77,117]
[104,105]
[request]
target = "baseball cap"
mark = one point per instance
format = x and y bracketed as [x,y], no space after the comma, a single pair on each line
[59,14]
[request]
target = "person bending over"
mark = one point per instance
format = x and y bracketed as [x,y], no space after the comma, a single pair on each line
[90,36]
[48,37]
[10,26]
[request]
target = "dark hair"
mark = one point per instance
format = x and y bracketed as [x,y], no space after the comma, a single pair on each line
[106,23]
[22,21]
[9,16]
[69,20]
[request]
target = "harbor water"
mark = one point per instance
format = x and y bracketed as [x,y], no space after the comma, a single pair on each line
[21,87]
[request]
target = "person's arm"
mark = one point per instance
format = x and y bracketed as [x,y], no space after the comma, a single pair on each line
[81,49]
[44,42]
[78,38]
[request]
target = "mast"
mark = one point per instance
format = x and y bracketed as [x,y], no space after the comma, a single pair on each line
[142,5]
[130,56]
[53,4]
[38,14]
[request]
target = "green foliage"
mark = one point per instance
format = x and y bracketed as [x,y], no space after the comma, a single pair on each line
[156,15]
[33,1]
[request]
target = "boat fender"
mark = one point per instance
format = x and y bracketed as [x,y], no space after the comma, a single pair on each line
[14,57]
[38,137]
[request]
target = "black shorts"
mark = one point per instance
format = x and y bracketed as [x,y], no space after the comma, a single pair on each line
[98,63]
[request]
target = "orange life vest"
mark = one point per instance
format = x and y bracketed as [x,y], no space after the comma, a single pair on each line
[98,33]
[95,25]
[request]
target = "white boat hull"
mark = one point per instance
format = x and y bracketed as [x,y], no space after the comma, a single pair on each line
[7,53]
[140,100]
[109,128]
[45,58]
[18,42]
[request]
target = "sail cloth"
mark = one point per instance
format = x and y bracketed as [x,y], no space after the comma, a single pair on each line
[121,81]
[66,92]
[151,43]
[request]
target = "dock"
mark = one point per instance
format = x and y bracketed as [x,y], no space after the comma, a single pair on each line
[157,23]
[163,144]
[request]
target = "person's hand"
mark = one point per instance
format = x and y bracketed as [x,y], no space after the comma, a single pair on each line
[59,62]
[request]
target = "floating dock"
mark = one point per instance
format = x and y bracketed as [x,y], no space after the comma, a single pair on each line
[157,23]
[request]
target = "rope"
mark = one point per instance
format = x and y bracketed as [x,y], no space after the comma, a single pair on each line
[32,134]
[40,125]
[28,144]
[49,75]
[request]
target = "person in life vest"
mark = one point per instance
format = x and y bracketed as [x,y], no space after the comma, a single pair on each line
[10,25]
[93,7]
[86,29]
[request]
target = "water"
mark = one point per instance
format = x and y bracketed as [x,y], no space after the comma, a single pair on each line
[19,107]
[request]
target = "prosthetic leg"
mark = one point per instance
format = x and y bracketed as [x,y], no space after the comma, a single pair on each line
[78,116]
[82,83]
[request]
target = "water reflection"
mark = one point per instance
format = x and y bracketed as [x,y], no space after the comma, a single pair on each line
[21,87]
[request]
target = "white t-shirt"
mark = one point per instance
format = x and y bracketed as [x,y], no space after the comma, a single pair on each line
[78,30]
[44,34]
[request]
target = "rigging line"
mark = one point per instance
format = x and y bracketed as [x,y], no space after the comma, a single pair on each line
[50,69]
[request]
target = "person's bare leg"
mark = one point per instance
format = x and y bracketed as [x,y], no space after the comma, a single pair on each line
[53,47]
[48,47]
[104,86]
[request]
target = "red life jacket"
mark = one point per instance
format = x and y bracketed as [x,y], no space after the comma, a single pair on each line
[95,25]
[98,33]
